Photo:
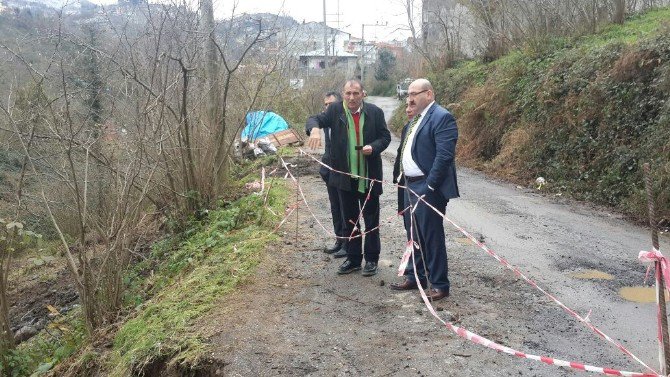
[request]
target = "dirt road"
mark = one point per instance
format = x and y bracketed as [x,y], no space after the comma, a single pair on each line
[297,317]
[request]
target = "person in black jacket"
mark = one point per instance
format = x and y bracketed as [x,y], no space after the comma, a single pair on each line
[339,249]
[358,135]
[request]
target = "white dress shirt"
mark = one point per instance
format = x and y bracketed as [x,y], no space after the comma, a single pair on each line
[409,167]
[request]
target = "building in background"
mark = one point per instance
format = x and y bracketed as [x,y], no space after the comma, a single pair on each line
[314,63]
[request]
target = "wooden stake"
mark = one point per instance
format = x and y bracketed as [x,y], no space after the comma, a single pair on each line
[664,343]
[297,208]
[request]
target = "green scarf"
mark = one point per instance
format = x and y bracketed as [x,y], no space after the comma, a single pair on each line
[357,163]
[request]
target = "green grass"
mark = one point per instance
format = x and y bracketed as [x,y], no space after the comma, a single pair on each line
[215,256]
[181,280]
[36,356]
[635,28]
[582,112]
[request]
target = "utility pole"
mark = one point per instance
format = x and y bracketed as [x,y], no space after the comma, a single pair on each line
[363,47]
[325,37]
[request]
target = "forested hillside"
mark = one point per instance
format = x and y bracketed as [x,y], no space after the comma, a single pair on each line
[582,112]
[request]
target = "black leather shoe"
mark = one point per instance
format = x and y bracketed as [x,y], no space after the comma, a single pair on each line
[340,253]
[348,267]
[336,247]
[369,269]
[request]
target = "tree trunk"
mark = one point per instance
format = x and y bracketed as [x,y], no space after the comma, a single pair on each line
[7,338]
[6,335]
[215,114]
[619,11]
[210,63]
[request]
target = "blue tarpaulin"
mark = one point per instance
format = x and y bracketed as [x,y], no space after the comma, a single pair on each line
[262,123]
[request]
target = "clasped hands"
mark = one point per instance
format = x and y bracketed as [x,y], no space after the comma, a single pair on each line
[314,142]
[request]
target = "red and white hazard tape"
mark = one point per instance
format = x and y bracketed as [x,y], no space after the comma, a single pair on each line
[330,232]
[517,272]
[481,340]
[478,339]
[662,271]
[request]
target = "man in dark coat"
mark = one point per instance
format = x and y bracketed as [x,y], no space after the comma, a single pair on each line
[427,167]
[339,249]
[358,135]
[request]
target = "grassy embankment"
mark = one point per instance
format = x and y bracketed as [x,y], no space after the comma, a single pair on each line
[184,277]
[209,261]
[584,113]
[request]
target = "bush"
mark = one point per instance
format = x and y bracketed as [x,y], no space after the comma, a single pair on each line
[384,89]
[398,119]
[585,114]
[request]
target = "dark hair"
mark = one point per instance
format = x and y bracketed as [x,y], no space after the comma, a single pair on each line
[337,95]
[357,81]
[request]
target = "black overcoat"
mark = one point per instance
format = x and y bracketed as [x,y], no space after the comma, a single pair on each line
[375,134]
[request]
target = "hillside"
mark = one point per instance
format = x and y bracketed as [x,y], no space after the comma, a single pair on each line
[583,113]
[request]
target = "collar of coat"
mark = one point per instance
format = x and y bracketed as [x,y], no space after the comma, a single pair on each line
[362,109]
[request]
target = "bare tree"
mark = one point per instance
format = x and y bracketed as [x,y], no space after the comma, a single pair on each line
[489,28]
[13,239]
[619,11]
[148,125]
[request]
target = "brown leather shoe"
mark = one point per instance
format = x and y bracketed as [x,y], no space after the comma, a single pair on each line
[406,285]
[436,294]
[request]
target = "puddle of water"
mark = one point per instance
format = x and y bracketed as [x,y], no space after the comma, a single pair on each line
[592,274]
[640,294]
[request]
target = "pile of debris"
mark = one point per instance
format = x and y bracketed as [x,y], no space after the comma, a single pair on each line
[264,133]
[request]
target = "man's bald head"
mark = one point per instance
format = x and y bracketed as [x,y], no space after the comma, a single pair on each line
[422,84]
[420,95]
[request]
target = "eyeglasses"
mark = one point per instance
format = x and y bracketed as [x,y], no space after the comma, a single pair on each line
[412,95]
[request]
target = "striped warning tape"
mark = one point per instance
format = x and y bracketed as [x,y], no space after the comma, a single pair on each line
[516,271]
[309,209]
[478,339]
[661,272]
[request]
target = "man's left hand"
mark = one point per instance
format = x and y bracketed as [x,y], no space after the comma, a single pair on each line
[367,150]
[423,190]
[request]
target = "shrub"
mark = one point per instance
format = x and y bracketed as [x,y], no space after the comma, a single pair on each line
[585,114]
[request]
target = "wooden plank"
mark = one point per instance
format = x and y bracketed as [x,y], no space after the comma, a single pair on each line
[285,137]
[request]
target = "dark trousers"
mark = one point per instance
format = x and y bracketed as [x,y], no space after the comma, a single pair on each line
[336,212]
[335,208]
[428,232]
[350,202]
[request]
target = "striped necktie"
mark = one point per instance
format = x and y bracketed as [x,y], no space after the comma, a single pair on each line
[415,121]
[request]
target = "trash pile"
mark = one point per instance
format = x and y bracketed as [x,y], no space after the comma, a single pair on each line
[264,132]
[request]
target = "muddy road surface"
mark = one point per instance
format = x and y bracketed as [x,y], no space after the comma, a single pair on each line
[296,316]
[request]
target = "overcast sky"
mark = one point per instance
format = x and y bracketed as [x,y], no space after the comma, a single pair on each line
[352,14]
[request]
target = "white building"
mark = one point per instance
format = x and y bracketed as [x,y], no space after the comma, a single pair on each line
[315,62]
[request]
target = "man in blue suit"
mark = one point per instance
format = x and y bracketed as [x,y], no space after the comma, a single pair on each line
[425,164]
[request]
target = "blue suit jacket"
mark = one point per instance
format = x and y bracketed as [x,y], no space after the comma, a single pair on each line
[434,150]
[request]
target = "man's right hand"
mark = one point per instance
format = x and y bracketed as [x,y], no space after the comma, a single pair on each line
[314,140]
